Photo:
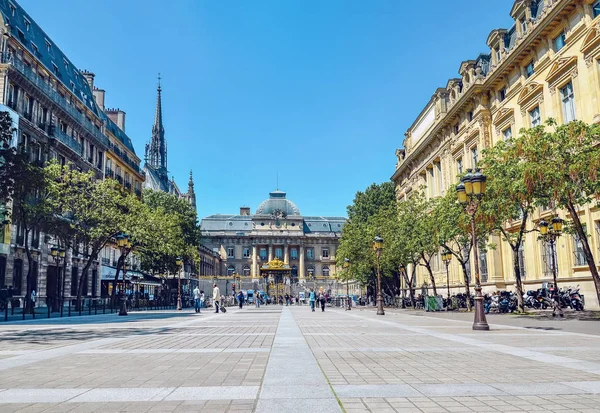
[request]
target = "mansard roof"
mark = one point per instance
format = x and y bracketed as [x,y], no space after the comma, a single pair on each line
[122,136]
[27,32]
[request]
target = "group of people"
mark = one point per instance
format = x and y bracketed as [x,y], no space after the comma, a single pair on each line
[314,297]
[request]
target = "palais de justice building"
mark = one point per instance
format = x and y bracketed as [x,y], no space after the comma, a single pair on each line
[247,242]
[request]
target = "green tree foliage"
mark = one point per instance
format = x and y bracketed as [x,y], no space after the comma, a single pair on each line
[508,199]
[561,164]
[368,203]
[11,160]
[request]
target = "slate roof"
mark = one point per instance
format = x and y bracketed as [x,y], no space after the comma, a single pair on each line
[27,32]
[122,136]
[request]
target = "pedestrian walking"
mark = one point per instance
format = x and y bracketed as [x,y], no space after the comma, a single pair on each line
[216,297]
[312,297]
[197,299]
[322,300]
[241,299]
[257,299]
[287,300]
[202,298]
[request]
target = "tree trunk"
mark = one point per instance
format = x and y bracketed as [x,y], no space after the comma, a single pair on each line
[586,248]
[409,284]
[467,289]
[83,276]
[432,278]
[518,281]
[28,305]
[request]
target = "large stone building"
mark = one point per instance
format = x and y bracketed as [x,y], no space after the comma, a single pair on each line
[547,65]
[247,242]
[57,115]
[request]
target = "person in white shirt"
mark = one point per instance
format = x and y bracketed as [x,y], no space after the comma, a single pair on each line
[197,299]
[216,297]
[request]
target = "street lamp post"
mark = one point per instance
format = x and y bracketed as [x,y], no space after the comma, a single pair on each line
[124,246]
[378,247]
[179,263]
[447,257]
[470,191]
[347,267]
[550,234]
[58,254]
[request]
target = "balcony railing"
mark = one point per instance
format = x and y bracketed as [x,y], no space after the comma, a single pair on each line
[135,166]
[66,139]
[20,66]
[109,173]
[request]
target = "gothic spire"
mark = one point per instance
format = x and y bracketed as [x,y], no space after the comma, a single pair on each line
[191,194]
[158,145]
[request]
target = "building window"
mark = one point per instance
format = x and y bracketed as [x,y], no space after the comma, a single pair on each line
[325,271]
[524,26]
[498,55]
[310,253]
[246,271]
[310,271]
[580,258]
[568,102]
[483,267]
[294,253]
[534,117]
[230,252]
[48,46]
[529,70]
[459,166]
[470,116]
[596,9]
[325,253]
[17,281]
[74,275]
[502,94]
[294,271]
[230,270]
[279,253]
[246,253]
[474,156]
[507,133]
[27,25]
[547,259]
[13,9]
[263,254]
[559,41]
[456,127]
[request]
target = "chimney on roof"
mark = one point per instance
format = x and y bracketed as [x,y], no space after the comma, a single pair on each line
[89,76]
[245,211]
[117,116]
[99,96]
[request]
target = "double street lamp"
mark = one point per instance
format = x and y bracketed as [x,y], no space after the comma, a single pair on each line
[347,267]
[179,263]
[470,191]
[59,254]
[125,246]
[378,247]
[446,258]
[550,233]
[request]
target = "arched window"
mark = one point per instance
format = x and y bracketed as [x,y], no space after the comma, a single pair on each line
[230,270]
[325,271]
[310,271]
[246,271]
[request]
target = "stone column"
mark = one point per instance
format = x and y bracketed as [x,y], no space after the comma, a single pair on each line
[270,252]
[301,264]
[286,255]
[253,271]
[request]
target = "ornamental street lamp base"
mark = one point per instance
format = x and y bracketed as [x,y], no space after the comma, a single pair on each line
[123,310]
[179,303]
[480,322]
[380,306]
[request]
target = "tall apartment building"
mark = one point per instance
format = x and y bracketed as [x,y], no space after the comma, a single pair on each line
[59,114]
[547,65]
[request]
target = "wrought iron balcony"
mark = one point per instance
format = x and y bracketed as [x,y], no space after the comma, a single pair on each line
[66,139]
[53,95]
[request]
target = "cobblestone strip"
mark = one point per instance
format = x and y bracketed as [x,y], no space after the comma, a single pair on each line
[293,380]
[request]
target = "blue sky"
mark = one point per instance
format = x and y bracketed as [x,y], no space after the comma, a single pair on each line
[319,92]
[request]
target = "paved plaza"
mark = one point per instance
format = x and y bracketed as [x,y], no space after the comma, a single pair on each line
[288,359]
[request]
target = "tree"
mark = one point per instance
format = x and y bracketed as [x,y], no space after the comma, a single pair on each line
[508,200]
[561,164]
[368,203]
[96,210]
[11,159]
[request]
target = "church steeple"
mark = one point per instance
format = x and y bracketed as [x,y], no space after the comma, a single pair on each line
[156,153]
[191,194]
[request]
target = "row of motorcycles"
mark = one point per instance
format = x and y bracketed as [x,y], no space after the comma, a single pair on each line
[542,298]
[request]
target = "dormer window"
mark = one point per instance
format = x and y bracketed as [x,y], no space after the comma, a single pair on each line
[27,25]
[34,48]
[55,69]
[470,116]
[66,64]
[72,85]
[524,26]
[529,69]
[498,55]
[595,9]
[48,46]
[456,129]
[13,9]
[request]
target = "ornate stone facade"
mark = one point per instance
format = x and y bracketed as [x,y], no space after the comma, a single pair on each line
[546,66]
